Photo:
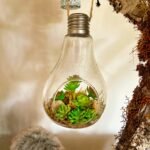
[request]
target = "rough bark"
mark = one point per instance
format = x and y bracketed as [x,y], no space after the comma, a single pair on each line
[136,131]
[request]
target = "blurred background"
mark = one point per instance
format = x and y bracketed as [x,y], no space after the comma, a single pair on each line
[31,36]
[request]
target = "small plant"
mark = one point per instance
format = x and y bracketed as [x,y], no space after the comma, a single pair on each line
[74,105]
[72,85]
[60,96]
[91,93]
[82,100]
[62,111]
[81,116]
[75,116]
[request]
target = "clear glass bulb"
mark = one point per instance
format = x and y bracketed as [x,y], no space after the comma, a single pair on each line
[74,95]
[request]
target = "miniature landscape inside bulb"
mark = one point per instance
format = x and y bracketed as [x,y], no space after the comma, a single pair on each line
[76,104]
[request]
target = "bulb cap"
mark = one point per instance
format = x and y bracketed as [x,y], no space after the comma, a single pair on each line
[78,24]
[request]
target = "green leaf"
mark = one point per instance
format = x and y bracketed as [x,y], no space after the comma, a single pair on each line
[62,111]
[74,77]
[72,85]
[60,95]
[75,116]
[89,115]
[81,116]
[82,100]
[91,93]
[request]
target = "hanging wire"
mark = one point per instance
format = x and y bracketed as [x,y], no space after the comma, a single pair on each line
[91,10]
[68,7]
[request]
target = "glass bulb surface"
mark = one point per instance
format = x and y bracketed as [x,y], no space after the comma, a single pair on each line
[74,95]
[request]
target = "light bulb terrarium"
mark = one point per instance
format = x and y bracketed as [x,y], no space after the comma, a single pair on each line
[74,95]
